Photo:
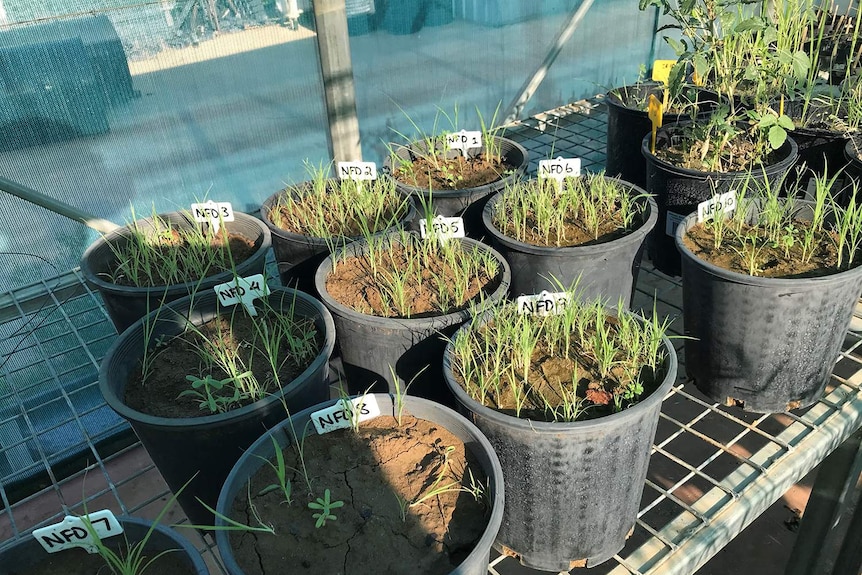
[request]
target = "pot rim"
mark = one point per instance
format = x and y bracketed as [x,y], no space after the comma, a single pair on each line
[116,403]
[741,278]
[316,240]
[429,322]
[517,173]
[171,289]
[554,427]
[634,235]
[789,158]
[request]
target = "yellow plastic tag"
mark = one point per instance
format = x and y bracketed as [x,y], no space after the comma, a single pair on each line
[661,70]
[655,116]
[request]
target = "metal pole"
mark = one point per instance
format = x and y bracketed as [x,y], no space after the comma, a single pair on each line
[333,45]
[56,206]
[530,86]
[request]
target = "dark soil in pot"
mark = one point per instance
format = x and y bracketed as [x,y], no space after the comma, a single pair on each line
[384,462]
[160,395]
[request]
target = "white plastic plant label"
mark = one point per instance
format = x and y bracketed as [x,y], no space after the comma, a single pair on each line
[560,168]
[544,303]
[72,532]
[339,416]
[357,171]
[672,222]
[442,228]
[213,213]
[720,203]
[244,291]
[464,140]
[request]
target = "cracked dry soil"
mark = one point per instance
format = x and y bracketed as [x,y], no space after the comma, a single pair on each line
[368,471]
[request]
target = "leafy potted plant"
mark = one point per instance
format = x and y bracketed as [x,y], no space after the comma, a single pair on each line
[167,256]
[628,121]
[143,547]
[416,489]
[199,382]
[395,297]
[456,181]
[769,292]
[693,162]
[310,220]
[592,227]
[570,401]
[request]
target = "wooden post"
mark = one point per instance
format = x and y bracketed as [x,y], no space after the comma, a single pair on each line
[336,69]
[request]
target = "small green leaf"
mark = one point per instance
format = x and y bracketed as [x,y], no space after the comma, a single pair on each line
[785,122]
[777,136]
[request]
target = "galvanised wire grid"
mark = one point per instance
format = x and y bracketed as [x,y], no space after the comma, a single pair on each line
[713,469]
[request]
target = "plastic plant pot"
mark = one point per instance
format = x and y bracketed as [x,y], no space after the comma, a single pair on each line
[766,344]
[373,347]
[475,562]
[573,490]
[209,445]
[628,125]
[609,269]
[466,203]
[127,304]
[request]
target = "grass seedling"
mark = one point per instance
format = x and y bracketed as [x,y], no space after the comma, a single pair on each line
[402,268]
[335,209]
[161,254]
[539,212]
[280,470]
[517,362]
[324,506]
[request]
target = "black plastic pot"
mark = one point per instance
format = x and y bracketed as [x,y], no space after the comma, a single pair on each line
[852,153]
[298,256]
[627,126]
[821,152]
[769,343]
[209,445]
[371,347]
[26,553]
[608,270]
[475,563]
[467,203]
[573,490]
[127,304]
[678,191]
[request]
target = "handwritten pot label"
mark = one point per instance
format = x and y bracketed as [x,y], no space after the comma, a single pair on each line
[213,213]
[464,140]
[357,171]
[543,304]
[337,416]
[244,291]
[720,203]
[442,228]
[72,532]
[560,168]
